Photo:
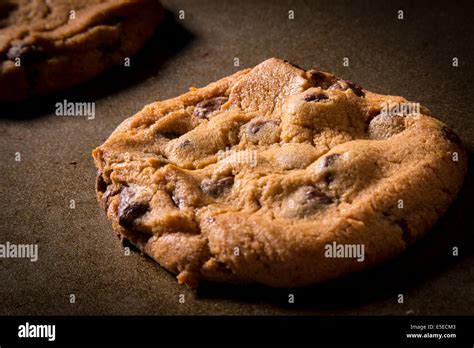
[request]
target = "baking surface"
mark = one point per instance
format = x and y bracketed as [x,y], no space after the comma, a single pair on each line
[79,253]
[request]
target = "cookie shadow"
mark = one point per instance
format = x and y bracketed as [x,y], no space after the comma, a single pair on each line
[424,260]
[169,39]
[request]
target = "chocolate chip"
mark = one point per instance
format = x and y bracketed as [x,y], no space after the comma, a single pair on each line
[328,178]
[317,77]
[339,86]
[305,201]
[215,188]
[254,127]
[208,106]
[330,159]
[129,208]
[343,85]
[105,200]
[314,194]
[450,135]
[327,162]
[176,201]
[316,97]
[100,184]
[111,191]
[262,131]
[28,54]
[356,89]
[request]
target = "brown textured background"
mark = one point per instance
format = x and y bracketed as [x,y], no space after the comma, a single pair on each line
[79,253]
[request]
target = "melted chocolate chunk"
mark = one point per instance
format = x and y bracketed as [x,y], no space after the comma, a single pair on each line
[314,194]
[208,106]
[343,85]
[328,178]
[317,77]
[28,54]
[450,135]
[316,97]
[306,201]
[130,209]
[330,159]
[215,188]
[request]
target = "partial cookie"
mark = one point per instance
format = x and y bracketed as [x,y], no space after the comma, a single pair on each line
[46,46]
[279,176]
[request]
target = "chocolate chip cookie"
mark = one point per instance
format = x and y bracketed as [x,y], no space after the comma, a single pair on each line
[279,176]
[46,46]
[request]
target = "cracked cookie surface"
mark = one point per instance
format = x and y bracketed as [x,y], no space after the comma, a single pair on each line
[49,45]
[248,179]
